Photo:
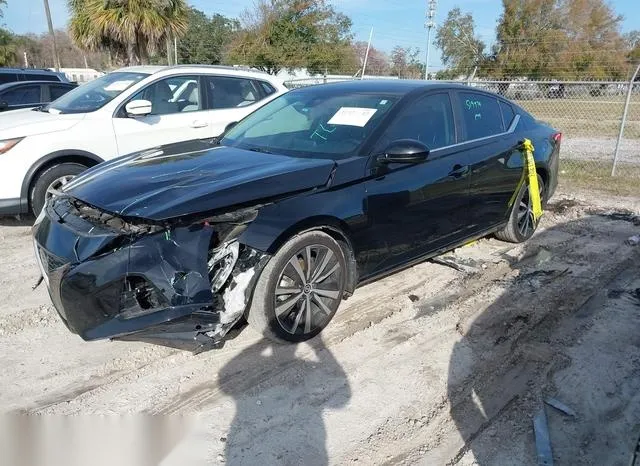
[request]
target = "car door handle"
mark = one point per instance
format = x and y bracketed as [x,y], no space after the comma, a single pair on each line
[199,124]
[459,171]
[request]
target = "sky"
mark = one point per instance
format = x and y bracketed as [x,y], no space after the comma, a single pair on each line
[394,22]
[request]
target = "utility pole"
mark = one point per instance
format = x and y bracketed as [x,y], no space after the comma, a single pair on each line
[56,58]
[366,55]
[430,24]
[26,60]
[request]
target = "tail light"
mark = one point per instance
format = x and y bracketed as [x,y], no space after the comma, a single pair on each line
[557,138]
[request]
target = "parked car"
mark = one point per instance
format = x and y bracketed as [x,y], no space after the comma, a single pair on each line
[9,75]
[119,113]
[321,190]
[523,90]
[29,94]
[556,90]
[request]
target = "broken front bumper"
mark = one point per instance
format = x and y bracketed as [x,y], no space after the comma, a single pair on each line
[153,287]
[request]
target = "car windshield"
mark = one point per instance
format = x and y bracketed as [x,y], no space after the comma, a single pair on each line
[95,94]
[310,123]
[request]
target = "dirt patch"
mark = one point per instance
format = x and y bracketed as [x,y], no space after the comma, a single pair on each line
[433,365]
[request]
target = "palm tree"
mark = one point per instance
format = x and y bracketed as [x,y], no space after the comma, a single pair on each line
[134,27]
[7,48]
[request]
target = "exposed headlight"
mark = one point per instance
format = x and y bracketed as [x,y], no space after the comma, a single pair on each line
[7,144]
[237,217]
[221,264]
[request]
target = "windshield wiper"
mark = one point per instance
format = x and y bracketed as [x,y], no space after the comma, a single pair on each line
[41,108]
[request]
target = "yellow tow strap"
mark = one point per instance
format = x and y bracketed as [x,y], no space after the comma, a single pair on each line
[530,174]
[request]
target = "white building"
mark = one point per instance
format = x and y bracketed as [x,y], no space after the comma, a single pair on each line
[80,75]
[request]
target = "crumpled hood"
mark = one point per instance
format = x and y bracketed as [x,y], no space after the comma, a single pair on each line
[29,122]
[191,177]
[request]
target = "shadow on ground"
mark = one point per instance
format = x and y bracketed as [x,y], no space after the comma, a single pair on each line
[528,344]
[284,411]
[17,221]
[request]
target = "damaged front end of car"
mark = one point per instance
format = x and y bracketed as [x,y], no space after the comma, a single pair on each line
[182,283]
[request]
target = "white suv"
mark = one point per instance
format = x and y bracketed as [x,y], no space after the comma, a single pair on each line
[125,111]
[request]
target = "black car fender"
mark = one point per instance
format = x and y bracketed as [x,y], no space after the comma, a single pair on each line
[261,235]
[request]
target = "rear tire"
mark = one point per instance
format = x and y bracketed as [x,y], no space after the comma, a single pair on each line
[300,288]
[521,226]
[53,177]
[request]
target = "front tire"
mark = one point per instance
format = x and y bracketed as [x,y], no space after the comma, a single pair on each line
[521,225]
[52,178]
[300,288]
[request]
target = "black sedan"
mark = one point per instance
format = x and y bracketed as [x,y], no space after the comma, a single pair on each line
[314,194]
[21,94]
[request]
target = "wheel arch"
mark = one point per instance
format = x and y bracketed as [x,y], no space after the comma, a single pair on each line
[54,158]
[332,226]
[543,171]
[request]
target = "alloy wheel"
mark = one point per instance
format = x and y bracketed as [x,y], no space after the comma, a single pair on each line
[56,185]
[526,220]
[308,290]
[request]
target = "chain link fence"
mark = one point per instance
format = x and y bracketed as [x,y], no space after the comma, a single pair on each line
[588,113]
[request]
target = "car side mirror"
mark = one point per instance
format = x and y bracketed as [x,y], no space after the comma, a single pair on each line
[230,126]
[3,105]
[404,151]
[138,108]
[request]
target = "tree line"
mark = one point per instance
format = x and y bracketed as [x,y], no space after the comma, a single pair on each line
[557,39]
[274,35]
[563,39]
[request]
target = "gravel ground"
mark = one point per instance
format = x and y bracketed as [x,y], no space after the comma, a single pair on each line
[600,149]
[431,365]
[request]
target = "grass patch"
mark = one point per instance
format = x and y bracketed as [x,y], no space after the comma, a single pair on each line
[586,118]
[596,176]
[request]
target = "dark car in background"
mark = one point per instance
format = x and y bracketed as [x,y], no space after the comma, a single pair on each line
[31,93]
[9,75]
[322,190]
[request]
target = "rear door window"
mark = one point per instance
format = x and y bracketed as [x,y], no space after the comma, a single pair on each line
[23,95]
[224,92]
[481,115]
[58,91]
[507,114]
[267,89]
[8,78]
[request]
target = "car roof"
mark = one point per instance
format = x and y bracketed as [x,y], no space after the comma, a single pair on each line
[148,69]
[26,70]
[237,71]
[390,86]
[152,69]
[21,83]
